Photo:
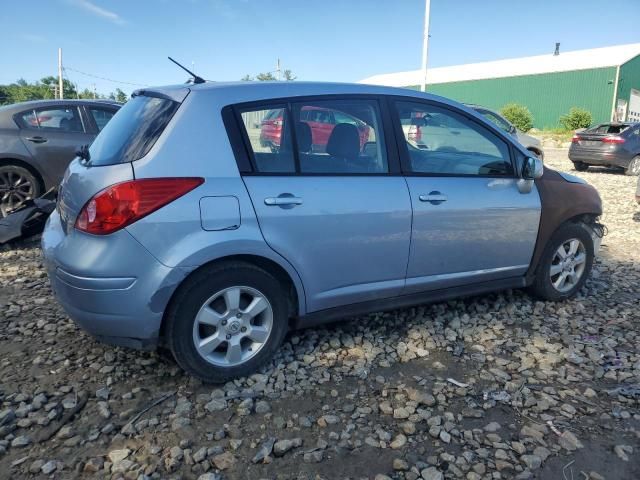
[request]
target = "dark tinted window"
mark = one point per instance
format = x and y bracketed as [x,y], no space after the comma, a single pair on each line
[441,141]
[607,128]
[133,131]
[101,116]
[62,119]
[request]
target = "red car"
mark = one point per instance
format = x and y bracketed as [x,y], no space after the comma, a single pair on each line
[322,121]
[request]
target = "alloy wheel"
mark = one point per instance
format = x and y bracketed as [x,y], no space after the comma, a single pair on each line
[15,189]
[232,326]
[568,265]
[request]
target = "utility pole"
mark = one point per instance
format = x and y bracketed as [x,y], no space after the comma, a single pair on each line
[425,46]
[60,73]
[94,91]
[278,69]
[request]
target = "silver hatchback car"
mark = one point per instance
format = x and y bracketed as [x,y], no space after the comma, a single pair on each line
[213,218]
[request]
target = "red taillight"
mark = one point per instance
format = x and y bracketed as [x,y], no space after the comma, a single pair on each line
[121,204]
[575,139]
[613,140]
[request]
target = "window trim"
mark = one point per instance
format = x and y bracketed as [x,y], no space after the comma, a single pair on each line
[403,151]
[243,152]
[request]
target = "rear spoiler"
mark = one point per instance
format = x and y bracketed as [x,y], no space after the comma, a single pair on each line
[176,94]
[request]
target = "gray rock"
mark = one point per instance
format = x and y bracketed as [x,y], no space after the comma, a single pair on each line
[533,462]
[216,405]
[264,451]
[569,441]
[103,393]
[431,473]
[313,457]
[262,407]
[283,446]
[623,452]
[20,441]
[49,467]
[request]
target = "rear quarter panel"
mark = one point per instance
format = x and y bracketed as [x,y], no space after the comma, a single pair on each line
[195,144]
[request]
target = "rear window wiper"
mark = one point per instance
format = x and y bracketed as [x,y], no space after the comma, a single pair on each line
[83,153]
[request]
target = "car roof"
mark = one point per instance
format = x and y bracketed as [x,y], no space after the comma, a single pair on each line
[242,91]
[17,107]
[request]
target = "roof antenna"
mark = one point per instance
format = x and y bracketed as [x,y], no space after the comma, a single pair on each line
[196,78]
[557,52]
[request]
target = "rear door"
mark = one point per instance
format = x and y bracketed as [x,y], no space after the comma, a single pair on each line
[52,135]
[341,217]
[470,223]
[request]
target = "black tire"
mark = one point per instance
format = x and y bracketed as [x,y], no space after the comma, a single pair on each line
[633,169]
[580,166]
[28,187]
[195,291]
[542,286]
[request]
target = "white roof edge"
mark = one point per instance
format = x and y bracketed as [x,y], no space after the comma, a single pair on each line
[567,61]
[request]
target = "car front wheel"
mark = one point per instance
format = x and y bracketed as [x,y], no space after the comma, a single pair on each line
[226,321]
[580,166]
[565,264]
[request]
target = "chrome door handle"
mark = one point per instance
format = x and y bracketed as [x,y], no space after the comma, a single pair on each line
[283,201]
[434,198]
[36,139]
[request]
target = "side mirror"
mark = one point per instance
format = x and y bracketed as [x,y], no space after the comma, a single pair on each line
[532,168]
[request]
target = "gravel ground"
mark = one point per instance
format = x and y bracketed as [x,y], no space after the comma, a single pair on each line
[546,390]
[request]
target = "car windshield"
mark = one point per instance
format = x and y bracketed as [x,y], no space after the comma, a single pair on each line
[132,131]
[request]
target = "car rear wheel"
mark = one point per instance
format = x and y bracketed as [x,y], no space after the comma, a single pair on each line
[580,166]
[565,264]
[226,321]
[634,166]
[17,185]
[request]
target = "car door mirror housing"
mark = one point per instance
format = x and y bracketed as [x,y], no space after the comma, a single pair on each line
[532,169]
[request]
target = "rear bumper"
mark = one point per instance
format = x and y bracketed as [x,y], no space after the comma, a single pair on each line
[617,159]
[109,285]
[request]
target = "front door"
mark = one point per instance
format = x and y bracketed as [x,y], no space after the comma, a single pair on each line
[339,216]
[52,136]
[470,223]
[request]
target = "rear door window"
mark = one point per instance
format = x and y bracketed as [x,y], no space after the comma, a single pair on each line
[345,138]
[130,134]
[60,119]
[331,137]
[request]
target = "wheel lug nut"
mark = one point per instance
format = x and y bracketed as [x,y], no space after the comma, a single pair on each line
[228,336]
[238,315]
[243,329]
[224,322]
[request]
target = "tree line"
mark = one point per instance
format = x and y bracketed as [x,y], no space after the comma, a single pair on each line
[45,88]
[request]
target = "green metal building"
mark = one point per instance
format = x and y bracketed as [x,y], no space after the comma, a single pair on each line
[604,81]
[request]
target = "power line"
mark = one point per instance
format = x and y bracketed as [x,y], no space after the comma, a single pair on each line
[104,78]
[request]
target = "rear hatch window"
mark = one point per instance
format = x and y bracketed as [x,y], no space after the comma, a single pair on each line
[132,131]
[607,129]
